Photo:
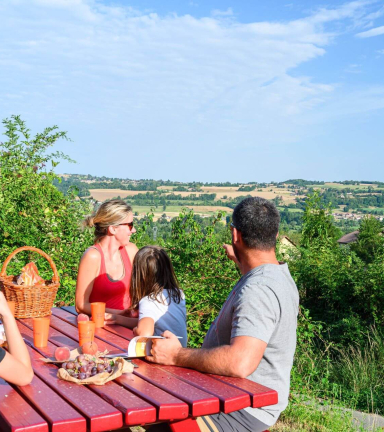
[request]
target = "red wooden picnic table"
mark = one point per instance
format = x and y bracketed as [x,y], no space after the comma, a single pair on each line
[152,393]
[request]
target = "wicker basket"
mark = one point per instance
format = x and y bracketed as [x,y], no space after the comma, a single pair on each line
[30,301]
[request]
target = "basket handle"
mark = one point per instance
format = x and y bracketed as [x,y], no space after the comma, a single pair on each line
[33,249]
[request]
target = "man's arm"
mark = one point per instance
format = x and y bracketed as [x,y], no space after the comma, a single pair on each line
[239,359]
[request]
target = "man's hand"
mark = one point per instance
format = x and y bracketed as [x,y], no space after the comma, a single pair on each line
[165,351]
[230,253]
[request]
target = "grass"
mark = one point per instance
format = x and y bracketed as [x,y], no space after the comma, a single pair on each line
[359,373]
[175,210]
[308,416]
[303,415]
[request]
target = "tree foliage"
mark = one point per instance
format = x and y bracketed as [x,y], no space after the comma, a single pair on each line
[32,211]
[370,240]
[318,224]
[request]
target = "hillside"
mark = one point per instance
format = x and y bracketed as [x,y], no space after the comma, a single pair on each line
[350,200]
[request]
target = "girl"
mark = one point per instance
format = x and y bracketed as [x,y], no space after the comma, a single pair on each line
[155,291]
[15,365]
[105,268]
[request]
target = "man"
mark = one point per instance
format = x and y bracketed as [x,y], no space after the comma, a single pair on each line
[254,335]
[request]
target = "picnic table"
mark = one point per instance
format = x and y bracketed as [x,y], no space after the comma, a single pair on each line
[152,393]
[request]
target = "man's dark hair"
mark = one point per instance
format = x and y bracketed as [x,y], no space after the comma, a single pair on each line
[258,221]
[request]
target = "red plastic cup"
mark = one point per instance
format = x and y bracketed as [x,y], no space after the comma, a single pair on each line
[86,332]
[98,314]
[41,331]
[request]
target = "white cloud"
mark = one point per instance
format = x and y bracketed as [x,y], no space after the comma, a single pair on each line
[353,69]
[370,33]
[120,76]
[218,12]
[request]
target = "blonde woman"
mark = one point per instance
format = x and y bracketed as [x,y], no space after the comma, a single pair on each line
[105,268]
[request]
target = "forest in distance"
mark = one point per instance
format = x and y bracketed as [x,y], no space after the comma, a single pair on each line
[349,201]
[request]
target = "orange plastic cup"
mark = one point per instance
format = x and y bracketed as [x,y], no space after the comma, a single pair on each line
[98,314]
[12,305]
[86,332]
[41,331]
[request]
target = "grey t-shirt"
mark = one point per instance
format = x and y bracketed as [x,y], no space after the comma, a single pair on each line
[264,305]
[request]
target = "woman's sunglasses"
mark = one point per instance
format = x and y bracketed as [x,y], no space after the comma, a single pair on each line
[129,224]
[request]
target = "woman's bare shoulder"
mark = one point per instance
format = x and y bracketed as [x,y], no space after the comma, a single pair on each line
[131,248]
[91,255]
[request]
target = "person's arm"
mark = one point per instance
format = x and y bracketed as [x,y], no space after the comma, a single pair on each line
[255,311]
[16,366]
[239,359]
[145,327]
[121,320]
[88,270]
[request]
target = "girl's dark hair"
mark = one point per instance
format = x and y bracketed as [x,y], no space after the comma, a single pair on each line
[152,271]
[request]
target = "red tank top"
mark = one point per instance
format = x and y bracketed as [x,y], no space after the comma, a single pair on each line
[114,293]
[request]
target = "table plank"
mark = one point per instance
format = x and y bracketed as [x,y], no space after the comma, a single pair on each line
[261,396]
[100,415]
[168,407]
[60,416]
[200,402]
[70,309]
[55,337]
[16,415]
[136,410]
[123,332]
[231,398]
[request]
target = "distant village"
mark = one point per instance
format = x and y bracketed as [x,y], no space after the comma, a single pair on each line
[354,216]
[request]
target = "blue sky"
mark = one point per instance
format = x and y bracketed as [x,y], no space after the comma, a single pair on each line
[205,91]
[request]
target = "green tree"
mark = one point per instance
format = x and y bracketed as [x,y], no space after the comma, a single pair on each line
[318,222]
[33,211]
[370,240]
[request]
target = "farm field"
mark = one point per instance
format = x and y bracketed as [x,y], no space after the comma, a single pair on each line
[354,200]
[173,211]
[105,194]
[343,186]
[269,194]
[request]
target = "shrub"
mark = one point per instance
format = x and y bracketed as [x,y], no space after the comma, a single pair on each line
[32,211]
[204,271]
